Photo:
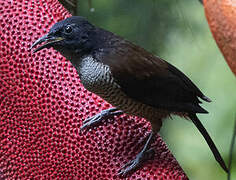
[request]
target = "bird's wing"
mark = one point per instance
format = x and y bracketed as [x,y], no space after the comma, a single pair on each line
[151,80]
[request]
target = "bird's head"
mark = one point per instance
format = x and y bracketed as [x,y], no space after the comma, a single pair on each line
[71,37]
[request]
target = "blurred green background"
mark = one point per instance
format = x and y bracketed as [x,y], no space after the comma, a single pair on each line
[177,31]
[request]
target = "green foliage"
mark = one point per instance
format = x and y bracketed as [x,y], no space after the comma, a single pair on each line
[178,32]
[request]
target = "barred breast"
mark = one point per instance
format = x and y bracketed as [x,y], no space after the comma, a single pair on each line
[97,78]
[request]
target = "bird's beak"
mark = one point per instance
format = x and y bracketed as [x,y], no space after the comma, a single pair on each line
[49,41]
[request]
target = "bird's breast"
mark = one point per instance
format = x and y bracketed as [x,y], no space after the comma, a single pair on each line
[97,78]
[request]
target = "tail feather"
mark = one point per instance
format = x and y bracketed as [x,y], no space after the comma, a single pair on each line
[207,99]
[209,141]
[231,150]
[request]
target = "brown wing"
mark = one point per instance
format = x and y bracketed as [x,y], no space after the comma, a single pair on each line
[149,79]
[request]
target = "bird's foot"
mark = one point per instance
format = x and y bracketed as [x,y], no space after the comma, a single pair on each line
[103,115]
[135,163]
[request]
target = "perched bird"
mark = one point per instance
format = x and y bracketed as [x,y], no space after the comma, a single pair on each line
[127,76]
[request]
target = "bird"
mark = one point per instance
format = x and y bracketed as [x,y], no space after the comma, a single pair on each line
[131,79]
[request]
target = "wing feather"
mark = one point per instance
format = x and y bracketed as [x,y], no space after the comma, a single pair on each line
[150,79]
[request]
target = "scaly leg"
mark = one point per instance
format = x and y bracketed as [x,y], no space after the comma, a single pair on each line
[140,158]
[103,115]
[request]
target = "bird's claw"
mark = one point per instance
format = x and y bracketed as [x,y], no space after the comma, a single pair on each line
[96,119]
[135,163]
[91,121]
[128,167]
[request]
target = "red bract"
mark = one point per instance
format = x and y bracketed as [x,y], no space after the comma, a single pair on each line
[43,104]
[221,18]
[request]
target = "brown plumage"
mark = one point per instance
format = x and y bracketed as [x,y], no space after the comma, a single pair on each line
[150,79]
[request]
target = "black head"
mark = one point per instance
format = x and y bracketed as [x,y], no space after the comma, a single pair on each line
[70,36]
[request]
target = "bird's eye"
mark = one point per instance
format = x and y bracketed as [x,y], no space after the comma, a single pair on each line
[68,29]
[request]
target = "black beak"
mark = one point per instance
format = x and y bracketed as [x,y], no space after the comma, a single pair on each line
[49,41]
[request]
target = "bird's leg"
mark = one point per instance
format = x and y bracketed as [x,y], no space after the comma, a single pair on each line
[103,115]
[144,155]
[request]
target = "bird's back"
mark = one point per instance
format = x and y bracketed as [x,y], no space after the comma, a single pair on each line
[146,78]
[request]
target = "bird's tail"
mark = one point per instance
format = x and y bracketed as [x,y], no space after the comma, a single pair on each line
[209,141]
[231,150]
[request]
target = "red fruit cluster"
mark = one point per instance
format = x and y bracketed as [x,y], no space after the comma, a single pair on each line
[43,104]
